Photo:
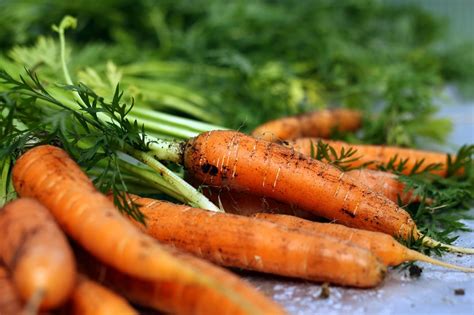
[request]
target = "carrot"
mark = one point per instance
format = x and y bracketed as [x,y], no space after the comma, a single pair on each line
[390,251]
[242,242]
[314,124]
[384,183]
[244,203]
[379,181]
[178,298]
[50,175]
[232,159]
[379,154]
[37,253]
[91,298]
[10,301]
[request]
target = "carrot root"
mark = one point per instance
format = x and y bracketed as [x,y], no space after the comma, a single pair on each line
[414,255]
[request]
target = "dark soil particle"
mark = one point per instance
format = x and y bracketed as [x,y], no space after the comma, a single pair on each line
[325,292]
[209,168]
[415,271]
[459,292]
[352,215]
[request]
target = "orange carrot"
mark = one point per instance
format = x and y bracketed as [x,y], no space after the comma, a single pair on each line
[50,175]
[10,302]
[179,298]
[247,204]
[37,253]
[242,242]
[379,154]
[232,159]
[390,251]
[90,298]
[315,124]
[384,183]
[381,182]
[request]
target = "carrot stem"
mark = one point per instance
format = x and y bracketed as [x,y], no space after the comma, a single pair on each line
[181,187]
[152,180]
[427,241]
[414,255]
[180,122]
[167,150]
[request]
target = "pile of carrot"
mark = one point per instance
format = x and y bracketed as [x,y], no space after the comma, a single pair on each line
[65,247]
[58,199]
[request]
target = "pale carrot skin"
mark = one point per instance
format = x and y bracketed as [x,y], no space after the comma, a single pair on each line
[179,298]
[314,124]
[91,298]
[10,301]
[36,252]
[89,217]
[378,154]
[232,159]
[248,243]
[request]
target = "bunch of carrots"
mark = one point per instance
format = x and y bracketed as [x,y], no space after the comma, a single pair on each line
[67,248]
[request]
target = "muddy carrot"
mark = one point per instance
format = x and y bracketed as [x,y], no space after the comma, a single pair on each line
[179,298]
[315,124]
[390,251]
[247,204]
[243,242]
[10,301]
[384,183]
[379,154]
[232,159]
[50,175]
[91,298]
[37,253]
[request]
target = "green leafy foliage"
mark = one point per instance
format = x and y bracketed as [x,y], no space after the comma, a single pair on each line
[443,201]
[80,131]
[273,58]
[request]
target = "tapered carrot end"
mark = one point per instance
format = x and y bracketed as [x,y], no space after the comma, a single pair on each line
[414,255]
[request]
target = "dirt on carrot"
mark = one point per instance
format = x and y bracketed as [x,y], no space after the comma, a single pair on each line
[253,244]
[50,175]
[240,162]
[243,163]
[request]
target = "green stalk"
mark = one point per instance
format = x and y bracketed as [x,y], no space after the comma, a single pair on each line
[188,192]
[151,179]
[167,150]
[162,128]
[175,183]
[7,191]
[174,120]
